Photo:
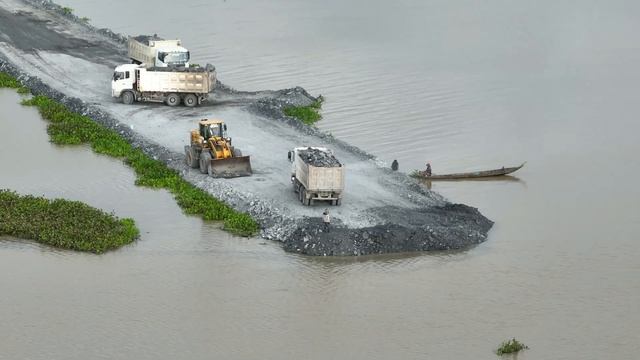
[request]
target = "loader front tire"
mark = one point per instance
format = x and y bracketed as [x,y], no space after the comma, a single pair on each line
[205,160]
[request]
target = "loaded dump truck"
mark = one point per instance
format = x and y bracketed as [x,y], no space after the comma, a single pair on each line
[316,175]
[172,86]
[153,51]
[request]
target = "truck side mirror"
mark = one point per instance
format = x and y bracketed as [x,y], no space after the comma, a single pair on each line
[289,155]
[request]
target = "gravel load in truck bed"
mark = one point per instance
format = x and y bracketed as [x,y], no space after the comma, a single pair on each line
[145,39]
[319,158]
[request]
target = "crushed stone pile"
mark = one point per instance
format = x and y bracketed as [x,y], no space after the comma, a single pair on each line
[319,158]
[146,38]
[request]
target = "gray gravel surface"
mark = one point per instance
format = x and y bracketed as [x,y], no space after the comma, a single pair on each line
[58,55]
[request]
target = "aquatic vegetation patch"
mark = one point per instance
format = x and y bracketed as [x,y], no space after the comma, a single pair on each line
[62,223]
[306,114]
[511,346]
[7,81]
[69,128]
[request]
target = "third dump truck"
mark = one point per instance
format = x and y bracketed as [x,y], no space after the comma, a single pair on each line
[316,175]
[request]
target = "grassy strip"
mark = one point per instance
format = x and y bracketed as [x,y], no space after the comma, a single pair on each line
[307,114]
[70,128]
[7,81]
[63,224]
[511,346]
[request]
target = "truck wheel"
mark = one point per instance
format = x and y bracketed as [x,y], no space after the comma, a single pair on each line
[128,98]
[301,191]
[205,160]
[190,100]
[173,99]
[338,202]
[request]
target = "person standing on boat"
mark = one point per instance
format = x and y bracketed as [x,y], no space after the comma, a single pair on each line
[427,172]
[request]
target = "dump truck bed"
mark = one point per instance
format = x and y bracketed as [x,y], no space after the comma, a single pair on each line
[143,48]
[320,178]
[156,80]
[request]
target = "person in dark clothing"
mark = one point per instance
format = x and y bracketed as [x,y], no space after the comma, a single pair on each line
[427,172]
[326,220]
[394,165]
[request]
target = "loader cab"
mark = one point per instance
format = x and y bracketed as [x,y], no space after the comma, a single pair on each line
[213,128]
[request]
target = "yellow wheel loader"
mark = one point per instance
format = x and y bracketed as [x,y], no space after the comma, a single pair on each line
[212,152]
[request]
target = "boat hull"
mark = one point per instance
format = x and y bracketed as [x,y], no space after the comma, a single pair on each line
[469,175]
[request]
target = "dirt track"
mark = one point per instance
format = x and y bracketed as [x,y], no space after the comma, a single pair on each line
[382,211]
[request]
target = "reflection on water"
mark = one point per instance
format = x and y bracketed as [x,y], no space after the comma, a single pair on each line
[453,83]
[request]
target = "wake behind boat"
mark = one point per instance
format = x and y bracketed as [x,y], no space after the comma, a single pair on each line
[468,175]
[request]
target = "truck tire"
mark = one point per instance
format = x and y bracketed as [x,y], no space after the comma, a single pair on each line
[301,194]
[128,98]
[173,99]
[190,157]
[190,100]
[205,160]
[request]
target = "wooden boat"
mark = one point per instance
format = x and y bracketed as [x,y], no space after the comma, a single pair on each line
[468,175]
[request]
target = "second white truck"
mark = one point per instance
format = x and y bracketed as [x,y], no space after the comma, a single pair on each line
[316,175]
[153,51]
[190,86]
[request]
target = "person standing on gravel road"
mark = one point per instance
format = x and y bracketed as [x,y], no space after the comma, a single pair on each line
[326,220]
[394,165]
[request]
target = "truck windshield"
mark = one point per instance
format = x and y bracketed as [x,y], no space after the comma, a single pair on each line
[174,57]
[118,75]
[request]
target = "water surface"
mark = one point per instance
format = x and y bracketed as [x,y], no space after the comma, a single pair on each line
[461,84]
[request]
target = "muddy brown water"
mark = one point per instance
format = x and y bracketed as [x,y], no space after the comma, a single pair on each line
[462,85]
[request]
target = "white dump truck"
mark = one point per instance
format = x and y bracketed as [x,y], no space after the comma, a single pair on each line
[316,175]
[153,51]
[190,86]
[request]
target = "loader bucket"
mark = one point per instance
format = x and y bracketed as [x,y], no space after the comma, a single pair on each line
[231,167]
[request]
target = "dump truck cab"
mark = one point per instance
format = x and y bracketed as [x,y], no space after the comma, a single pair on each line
[123,78]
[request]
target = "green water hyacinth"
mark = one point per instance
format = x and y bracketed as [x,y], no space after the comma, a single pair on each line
[306,114]
[63,224]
